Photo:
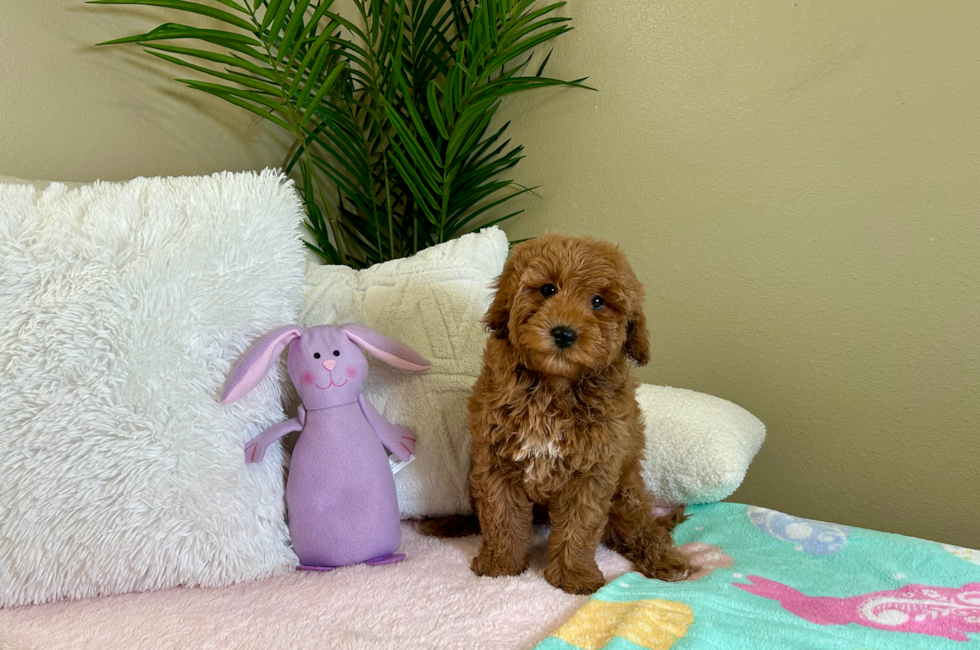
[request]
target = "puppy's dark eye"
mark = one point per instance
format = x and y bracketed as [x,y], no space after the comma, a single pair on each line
[316,355]
[548,290]
[597,302]
[336,353]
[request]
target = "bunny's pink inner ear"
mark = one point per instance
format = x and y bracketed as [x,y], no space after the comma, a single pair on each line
[394,353]
[257,361]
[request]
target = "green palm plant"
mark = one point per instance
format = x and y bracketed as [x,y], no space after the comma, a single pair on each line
[390,109]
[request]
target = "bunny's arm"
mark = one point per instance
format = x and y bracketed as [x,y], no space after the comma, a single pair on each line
[399,440]
[255,448]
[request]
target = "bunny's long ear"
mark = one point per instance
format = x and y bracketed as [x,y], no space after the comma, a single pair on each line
[394,353]
[251,368]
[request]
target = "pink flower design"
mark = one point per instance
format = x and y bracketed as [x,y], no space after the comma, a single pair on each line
[705,558]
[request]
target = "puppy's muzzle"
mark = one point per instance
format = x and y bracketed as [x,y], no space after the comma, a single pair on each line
[564,336]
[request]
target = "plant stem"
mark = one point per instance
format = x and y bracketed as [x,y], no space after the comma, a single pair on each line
[391,221]
[447,184]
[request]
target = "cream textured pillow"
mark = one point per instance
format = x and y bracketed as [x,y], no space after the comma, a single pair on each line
[434,302]
[122,309]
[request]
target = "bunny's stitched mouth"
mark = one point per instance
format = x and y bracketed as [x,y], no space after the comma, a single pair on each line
[331,384]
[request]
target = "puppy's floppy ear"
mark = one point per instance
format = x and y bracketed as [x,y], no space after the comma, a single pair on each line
[506,284]
[497,316]
[637,346]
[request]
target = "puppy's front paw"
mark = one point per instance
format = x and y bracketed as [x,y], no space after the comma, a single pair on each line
[583,581]
[673,566]
[492,565]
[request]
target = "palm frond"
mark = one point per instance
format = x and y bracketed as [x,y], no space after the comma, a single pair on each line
[389,110]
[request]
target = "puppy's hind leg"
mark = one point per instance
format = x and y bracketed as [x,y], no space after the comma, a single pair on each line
[635,532]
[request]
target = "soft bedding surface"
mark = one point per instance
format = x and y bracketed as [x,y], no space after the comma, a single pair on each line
[771,580]
[429,601]
[804,584]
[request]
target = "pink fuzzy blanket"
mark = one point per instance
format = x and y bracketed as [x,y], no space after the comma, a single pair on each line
[431,600]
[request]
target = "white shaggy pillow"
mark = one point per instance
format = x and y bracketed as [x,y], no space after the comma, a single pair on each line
[434,302]
[122,309]
[698,446]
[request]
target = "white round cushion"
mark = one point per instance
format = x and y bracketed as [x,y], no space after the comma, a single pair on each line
[698,446]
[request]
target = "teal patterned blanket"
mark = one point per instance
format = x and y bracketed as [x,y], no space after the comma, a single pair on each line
[770,580]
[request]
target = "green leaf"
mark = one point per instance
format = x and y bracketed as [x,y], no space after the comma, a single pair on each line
[173,31]
[272,8]
[315,17]
[245,80]
[238,101]
[420,128]
[393,110]
[434,111]
[494,222]
[184,5]
[415,184]
[315,50]
[234,5]
[321,61]
[476,213]
[219,89]
[281,13]
[216,58]
[517,27]
[461,130]
[325,87]
[544,63]
[351,27]
[495,90]
[345,161]
[295,22]
[419,158]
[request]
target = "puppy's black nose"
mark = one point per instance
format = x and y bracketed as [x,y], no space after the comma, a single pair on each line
[564,336]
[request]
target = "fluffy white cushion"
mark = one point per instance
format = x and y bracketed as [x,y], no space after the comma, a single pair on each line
[434,302]
[122,309]
[698,446]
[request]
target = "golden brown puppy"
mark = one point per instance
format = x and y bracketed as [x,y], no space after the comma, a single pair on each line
[554,420]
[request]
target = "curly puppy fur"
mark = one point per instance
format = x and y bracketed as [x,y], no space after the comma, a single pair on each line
[554,420]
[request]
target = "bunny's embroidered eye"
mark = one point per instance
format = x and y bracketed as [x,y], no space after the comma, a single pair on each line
[316,355]
[336,353]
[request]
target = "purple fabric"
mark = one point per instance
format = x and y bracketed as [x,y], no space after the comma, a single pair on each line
[394,353]
[340,493]
[255,449]
[399,440]
[387,559]
[252,367]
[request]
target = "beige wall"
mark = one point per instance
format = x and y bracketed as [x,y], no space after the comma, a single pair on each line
[71,111]
[796,183]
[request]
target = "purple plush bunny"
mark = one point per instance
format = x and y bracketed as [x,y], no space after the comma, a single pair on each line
[340,493]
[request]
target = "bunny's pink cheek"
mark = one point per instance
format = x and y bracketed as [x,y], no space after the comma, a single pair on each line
[351,372]
[307,378]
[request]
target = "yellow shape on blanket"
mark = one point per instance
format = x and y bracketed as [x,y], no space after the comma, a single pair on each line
[653,624]
[967,554]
